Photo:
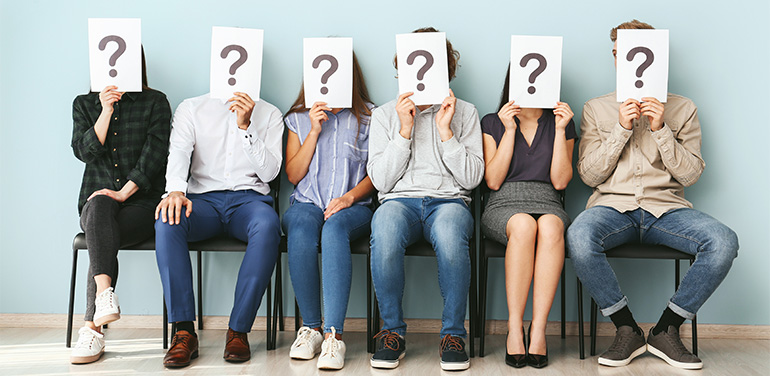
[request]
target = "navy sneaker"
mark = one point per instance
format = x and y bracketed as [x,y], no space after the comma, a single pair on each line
[390,349]
[452,352]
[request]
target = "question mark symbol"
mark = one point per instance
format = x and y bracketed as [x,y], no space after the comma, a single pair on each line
[421,72]
[540,68]
[329,72]
[650,57]
[237,64]
[118,52]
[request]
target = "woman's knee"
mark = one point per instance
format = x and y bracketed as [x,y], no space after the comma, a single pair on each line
[550,229]
[521,227]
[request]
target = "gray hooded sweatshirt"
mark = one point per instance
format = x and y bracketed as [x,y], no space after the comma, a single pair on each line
[424,166]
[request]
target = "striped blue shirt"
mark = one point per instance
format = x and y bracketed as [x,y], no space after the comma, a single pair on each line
[339,161]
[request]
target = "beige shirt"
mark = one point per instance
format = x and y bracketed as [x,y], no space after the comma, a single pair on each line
[638,168]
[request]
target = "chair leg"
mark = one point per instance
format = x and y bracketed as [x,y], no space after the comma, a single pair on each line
[484,276]
[165,325]
[563,303]
[695,336]
[593,327]
[200,290]
[71,311]
[273,333]
[473,300]
[369,329]
[279,291]
[269,327]
[581,335]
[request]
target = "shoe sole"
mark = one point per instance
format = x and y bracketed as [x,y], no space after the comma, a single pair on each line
[298,357]
[455,366]
[180,365]
[662,355]
[329,366]
[86,359]
[623,362]
[106,319]
[236,360]
[388,364]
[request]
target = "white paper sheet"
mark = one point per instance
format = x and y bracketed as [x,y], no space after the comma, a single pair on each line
[642,64]
[236,61]
[327,67]
[422,67]
[535,71]
[115,53]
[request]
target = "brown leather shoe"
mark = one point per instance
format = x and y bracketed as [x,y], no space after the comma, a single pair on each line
[237,346]
[184,347]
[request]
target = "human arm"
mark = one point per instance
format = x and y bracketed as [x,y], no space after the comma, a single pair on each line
[264,155]
[680,151]
[88,136]
[497,157]
[154,152]
[299,155]
[463,154]
[598,158]
[362,190]
[388,154]
[561,162]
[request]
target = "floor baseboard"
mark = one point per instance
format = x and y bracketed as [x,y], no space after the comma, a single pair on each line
[717,331]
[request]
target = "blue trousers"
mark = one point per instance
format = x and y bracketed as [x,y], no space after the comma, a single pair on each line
[687,230]
[448,225]
[306,229]
[244,215]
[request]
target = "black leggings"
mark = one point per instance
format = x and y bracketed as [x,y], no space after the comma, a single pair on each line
[108,226]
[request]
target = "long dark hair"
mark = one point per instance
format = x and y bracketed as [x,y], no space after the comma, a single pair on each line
[506,88]
[360,96]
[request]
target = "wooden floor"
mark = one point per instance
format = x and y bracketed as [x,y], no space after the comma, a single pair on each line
[41,351]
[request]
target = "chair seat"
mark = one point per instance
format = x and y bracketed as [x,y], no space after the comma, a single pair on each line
[148,245]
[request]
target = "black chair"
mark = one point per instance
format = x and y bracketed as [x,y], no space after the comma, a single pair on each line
[642,251]
[490,248]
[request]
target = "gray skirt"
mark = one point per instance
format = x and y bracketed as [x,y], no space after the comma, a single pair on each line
[531,197]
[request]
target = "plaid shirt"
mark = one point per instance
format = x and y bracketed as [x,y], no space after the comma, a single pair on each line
[136,147]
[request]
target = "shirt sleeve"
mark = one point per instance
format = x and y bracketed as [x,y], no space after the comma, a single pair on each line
[680,152]
[388,157]
[155,148]
[598,158]
[181,143]
[570,132]
[85,144]
[463,156]
[264,155]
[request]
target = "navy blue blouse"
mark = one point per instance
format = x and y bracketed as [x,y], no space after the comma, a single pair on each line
[529,162]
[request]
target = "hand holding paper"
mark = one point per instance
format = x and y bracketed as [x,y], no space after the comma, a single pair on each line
[444,116]
[318,116]
[242,105]
[563,114]
[653,109]
[406,110]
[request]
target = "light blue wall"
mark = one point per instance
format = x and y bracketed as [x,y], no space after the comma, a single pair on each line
[719,58]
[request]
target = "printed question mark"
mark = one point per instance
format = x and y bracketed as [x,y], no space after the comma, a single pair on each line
[428,63]
[237,64]
[118,52]
[329,72]
[540,68]
[650,57]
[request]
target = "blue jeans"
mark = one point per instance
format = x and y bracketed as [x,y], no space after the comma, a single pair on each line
[305,230]
[600,228]
[244,215]
[447,224]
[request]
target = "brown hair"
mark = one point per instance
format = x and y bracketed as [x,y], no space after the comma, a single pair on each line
[360,96]
[452,55]
[633,24]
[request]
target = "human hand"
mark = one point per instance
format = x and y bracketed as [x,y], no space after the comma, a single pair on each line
[629,111]
[242,105]
[170,208]
[653,109]
[562,114]
[118,196]
[108,96]
[507,114]
[318,116]
[337,204]
[406,110]
[444,116]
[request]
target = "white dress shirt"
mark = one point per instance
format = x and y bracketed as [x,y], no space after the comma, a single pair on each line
[206,141]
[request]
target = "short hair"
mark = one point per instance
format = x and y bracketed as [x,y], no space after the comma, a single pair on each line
[633,24]
[452,55]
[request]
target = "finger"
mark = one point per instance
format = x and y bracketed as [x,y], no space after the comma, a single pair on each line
[245,96]
[189,209]
[163,211]
[324,108]
[405,95]
[451,93]
[177,213]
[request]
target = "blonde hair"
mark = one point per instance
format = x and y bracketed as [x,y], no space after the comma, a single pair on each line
[633,24]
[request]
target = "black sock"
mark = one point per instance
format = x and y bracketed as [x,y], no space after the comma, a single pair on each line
[625,318]
[185,325]
[667,319]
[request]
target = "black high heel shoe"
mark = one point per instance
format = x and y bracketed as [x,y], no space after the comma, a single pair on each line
[536,360]
[516,360]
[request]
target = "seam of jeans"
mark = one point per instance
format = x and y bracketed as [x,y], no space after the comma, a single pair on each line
[700,245]
[624,228]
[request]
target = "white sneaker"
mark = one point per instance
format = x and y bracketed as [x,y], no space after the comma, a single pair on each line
[89,348]
[307,344]
[332,353]
[107,307]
